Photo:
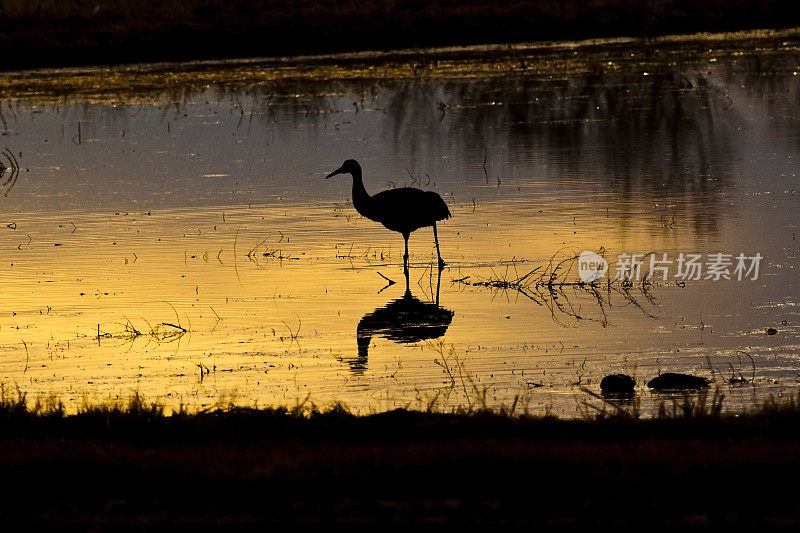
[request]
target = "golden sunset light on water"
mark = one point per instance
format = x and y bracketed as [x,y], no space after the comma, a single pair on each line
[263,272]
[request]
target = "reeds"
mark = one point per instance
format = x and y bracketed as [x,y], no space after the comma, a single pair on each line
[703,404]
[15,404]
[555,285]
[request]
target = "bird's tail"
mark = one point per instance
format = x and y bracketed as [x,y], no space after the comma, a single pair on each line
[442,211]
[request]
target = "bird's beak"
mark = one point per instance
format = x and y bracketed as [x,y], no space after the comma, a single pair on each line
[337,171]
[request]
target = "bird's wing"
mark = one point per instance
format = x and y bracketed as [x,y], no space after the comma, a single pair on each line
[409,204]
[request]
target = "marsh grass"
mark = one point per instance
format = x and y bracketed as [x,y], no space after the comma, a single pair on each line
[15,403]
[556,285]
[139,464]
[140,421]
[736,377]
[458,380]
[462,394]
[703,405]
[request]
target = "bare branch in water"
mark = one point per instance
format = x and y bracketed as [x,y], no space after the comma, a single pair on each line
[556,286]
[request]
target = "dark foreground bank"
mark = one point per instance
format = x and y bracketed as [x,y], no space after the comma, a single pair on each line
[56,32]
[134,468]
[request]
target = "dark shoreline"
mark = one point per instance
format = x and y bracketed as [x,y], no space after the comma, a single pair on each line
[137,468]
[52,34]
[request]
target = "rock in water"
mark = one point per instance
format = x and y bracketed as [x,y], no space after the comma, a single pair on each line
[617,384]
[673,381]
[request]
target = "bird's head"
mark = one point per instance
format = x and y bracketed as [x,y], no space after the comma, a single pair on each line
[350,166]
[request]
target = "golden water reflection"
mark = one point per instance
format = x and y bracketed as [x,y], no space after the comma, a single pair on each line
[403,320]
[272,297]
[183,242]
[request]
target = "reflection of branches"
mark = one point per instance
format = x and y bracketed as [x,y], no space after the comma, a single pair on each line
[261,252]
[162,332]
[13,170]
[520,284]
[552,286]
[625,288]
[294,334]
[736,376]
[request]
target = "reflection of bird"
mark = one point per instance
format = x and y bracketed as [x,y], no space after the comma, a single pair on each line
[404,320]
[403,210]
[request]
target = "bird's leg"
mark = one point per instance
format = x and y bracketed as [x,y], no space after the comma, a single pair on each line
[436,239]
[438,284]
[405,255]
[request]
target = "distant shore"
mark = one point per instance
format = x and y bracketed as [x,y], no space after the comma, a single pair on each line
[51,33]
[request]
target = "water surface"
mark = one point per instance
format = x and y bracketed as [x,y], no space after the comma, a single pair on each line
[169,229]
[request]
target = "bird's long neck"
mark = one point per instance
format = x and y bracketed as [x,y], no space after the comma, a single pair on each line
[361,198]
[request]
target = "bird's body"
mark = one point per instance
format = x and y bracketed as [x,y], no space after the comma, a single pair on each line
[403,210]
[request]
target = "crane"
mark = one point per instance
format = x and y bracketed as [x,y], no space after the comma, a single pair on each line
[404,209]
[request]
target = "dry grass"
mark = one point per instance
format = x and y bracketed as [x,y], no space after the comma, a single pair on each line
[557,286]
[703,405]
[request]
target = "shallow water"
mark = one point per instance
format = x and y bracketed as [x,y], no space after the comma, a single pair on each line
[170,231]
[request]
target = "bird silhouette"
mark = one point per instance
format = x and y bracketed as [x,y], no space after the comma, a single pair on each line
[403,320]
[403,210]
